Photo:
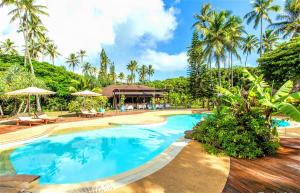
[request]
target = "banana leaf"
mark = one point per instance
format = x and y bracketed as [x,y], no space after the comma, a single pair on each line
[289,110]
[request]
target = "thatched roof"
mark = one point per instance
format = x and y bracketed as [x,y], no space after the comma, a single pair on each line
[109,90]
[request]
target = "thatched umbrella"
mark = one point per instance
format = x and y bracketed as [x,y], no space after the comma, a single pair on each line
[30,91]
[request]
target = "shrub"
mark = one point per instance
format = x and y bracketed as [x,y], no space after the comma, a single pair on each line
[87,103]
[243,136]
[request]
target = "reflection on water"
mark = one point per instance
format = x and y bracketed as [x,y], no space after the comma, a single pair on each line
[97,154]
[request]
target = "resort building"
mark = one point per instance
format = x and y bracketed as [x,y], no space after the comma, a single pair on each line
[136,96]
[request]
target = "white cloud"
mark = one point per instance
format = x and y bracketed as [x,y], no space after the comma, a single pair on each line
[163,61]
[91,24]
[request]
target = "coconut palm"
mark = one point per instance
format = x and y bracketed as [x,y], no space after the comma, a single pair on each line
[142,72]
[52,52]
[289,24]
[150,71]
[261,10]
[112,73]
[73,61]
[130,78]
[250,44]
[216,39]
[121,76]
[81,55]
[132,67]
[8,47]
[269,40]
[202,18]
[26,12]
[86,68]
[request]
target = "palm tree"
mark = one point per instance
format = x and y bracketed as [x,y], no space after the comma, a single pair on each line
[250,44]
[216,38]
[132,67]
[142,73]
[112,73]
[73,61]
[8,47]
[52,51]
[81,55]
[130,79]
[26,11]
[121,76]
[269,40]
[202,18]
[150,71]
[86,68]
[261,9]
[289,24]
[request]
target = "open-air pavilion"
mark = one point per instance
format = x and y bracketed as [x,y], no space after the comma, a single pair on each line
[138,96]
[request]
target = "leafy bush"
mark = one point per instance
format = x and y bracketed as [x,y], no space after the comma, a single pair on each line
[243,136]
[87,103]
[56,104]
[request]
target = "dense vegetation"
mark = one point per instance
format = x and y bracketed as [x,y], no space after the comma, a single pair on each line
[283,63]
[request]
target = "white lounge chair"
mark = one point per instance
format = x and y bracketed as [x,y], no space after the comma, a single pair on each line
[28,120]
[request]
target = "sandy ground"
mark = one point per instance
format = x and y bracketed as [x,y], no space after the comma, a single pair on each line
[192,171]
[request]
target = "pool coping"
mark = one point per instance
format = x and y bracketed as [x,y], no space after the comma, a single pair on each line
[111,183]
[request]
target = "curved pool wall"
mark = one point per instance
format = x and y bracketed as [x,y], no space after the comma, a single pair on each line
[98,154]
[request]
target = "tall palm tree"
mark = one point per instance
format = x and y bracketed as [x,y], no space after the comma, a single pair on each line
[52,52]
[121,76]
[250,44]
[289,24]
[150,71]
[73,61]
[269,40]
[8,47]
[216,38]
[81,55]
[132,67]
[142,72]
[25,11]
[86,68]
[261,10]
[130,79]
[202,18]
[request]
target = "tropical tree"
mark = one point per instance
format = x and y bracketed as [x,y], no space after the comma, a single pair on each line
[150,71]
[112,73]
[104,62]
[26,12]
[142,73]
[132,67]
[269,40]
[81,55]
[52,52]
[261,10]
[73,61]
[203,17]
[86,68]
[250,43]
[8,47]
[130,78]
[121,76]
[289,24]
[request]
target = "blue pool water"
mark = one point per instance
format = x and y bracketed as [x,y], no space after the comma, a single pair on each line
[280,123]
[98,154]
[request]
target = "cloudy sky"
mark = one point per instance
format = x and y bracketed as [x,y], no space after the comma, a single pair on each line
[153,32]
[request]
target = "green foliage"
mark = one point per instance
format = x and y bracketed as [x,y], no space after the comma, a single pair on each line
[243,136]
[282,64]
[56,104]
[87,103]
[122,100]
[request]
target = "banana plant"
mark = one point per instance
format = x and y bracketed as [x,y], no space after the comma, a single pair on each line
[281,101]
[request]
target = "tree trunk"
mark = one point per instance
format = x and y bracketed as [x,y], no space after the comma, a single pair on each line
[38,104]
[261,32]
[219,73]
[246,60]
[20,107]
[231,63]
[1,110]
[26,48]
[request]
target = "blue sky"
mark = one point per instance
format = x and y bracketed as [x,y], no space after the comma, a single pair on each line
[153,32]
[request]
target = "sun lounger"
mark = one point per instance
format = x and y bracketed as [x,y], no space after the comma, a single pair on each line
[97,113]
[86,113]
[28,120]
[46,118]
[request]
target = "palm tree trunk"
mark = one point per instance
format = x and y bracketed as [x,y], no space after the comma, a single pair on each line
[20,107]
[246,60]
[26,47]
[38,104]
[219,73]
[261,32]
[231,64]
[1,111]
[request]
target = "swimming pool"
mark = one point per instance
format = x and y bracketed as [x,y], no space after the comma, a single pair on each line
[97,154]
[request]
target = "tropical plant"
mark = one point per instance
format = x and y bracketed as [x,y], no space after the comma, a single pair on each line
[282,64]
[142,73]
[150,71]
[130,79]
[86,69]
[112,73]
[250,43]
[261,10]
[203,17]
[81,55]
[104,62]
[132,67]
[73,61]
[270,39]
[121,77]
[289,24]
[52,52]
[8,47]
[26,12]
